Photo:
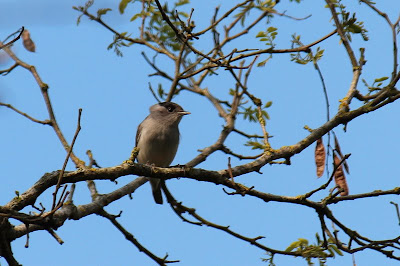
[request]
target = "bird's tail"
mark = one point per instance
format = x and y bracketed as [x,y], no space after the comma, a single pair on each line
[156,188]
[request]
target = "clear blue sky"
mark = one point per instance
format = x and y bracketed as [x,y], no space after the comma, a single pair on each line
[114,95]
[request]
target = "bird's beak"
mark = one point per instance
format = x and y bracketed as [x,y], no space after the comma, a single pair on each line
[184,113]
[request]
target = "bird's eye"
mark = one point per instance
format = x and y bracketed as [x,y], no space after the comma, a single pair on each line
[170,109]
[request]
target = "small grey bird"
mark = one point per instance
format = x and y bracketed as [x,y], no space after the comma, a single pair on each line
[157,138]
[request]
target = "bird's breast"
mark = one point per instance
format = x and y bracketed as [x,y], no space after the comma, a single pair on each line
[158,147]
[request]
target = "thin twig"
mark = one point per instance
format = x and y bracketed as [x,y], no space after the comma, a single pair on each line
[55,236]
[78,128]
[324,89]
[397,210]
[239,156]
[394,34]
[8,70]
[324,186]
[92,161]
[43,122]
[154,94]
[248,135]
[216,22]
[19,32]
[180,209]
[27,236]
[133,240]
[44,90]
[342,35]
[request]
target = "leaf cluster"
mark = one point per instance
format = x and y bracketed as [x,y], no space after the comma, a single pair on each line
[156,25]
[119,42]
[83,10]
[309,251]
[376,85]
[307,58]
[350,23]
[268,36]
[252,114]
[265,6]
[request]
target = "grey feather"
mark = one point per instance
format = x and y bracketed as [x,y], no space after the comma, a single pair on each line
[157,138]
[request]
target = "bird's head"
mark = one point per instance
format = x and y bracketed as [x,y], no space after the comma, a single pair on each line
[168,112]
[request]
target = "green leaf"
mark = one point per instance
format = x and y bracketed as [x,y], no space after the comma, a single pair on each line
[262,63]
[381,79]
[268,104]
[102,11]
[160,91]
[261,34]
[122,5]
[303,241]
[292,246]
[136,16]
[181,3]
[336,249]
[355,28]
[78,21]
[255,145]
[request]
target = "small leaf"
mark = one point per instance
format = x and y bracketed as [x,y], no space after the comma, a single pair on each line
[255,145]
[318,238]
[102,11]
[320,157]
[268,104]
[261,34]
[381,79]
[336,250]
[160,91]
[292,246]
[303,241]
[136,16]
[122,5]
[262,63]
[181,2]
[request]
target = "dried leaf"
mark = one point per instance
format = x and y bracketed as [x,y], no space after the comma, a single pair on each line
[320,157]
[27,41]
[340,178]
[337,148]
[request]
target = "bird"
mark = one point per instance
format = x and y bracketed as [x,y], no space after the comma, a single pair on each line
[157,138]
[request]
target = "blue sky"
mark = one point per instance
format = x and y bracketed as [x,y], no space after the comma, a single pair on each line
[113,92]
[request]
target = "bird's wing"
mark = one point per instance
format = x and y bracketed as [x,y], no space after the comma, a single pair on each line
[138,132]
